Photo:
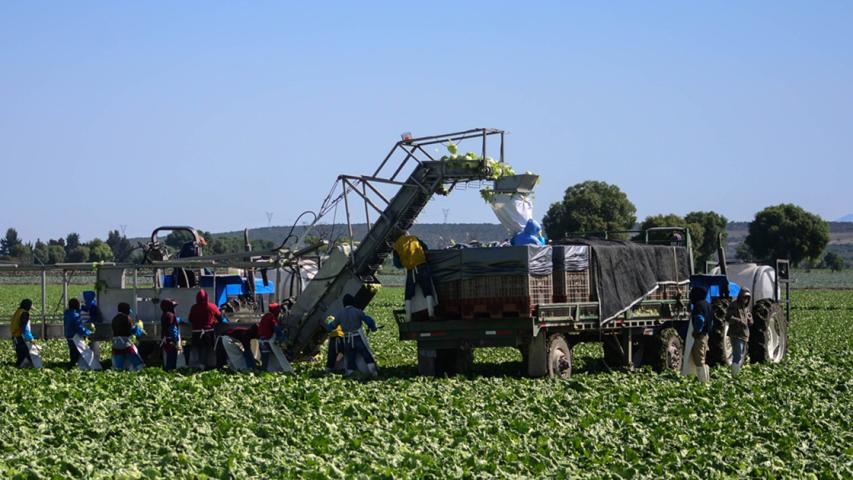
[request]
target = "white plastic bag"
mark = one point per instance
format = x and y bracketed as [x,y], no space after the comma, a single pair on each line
[688,366]
[512,210]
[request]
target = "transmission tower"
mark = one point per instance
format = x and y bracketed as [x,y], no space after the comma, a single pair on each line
[123,228]
[269,218]
[446,212]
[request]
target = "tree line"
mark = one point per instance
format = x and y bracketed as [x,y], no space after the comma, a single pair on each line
[778,231]
[117,247]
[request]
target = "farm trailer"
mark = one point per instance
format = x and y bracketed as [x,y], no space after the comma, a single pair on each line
[644,328]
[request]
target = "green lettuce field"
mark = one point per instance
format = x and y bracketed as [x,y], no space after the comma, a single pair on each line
[789,420]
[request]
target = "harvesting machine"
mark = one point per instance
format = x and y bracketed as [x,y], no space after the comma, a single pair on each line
[631,296]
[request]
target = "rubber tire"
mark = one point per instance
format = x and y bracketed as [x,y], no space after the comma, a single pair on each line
[719,344]
[559,357]
[666,351]
[764,313]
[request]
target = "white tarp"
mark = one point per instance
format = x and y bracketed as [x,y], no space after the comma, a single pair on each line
[759,279]
[290,281]
[512,210]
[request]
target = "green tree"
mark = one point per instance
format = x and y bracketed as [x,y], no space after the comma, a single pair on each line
[119,244]
[40,253]
[78,254]
[787,231]
[713,225]
[833,261]
[178,238]
[9,242]
[672,220]
[99,251]
[591,206]
[72,241]
[55,254]
[744,253]
[22,252]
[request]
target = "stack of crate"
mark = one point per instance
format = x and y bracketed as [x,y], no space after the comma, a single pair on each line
[670,291]
[491,282]
[572,274]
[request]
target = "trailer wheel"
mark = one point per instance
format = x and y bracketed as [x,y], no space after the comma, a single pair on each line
[559,357]
[719,343]
[667,351]
[768,335]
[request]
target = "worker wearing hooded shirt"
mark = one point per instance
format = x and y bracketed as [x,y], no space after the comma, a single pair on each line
[203,317]
[22,335]
[125,355]
[269,332]
[73,326]
[410,253]
[350,320]
[530,235]
[739,318]
[702,319]
[170,334]
[239,361]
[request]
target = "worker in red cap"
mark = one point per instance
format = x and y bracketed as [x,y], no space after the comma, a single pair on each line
[204,316]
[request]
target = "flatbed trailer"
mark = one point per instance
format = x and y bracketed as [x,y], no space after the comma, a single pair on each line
[645,334]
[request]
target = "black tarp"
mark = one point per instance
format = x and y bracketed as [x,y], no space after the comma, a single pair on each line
[464,263]
[625,272]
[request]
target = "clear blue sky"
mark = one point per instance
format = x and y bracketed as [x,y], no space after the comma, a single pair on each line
[210,114]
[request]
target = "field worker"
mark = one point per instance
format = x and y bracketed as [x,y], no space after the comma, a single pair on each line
[26,353]
[270,332]
[350,320]
[235,347]
[702,322]
[170,334]
[531,235]
[125,355]
[410,253]
[204,316]
[90,306]
[739,318]
[335,350]
[73,326]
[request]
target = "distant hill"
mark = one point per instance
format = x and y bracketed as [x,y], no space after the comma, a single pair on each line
[846,218]
[436,235]
[439,235]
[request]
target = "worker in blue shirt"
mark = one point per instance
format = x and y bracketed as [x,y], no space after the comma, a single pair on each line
[350,320]
[702,320]
[73,323]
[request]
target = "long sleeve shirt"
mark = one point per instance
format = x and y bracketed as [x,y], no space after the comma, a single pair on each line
[73,324]
[350,320]
[702,317]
